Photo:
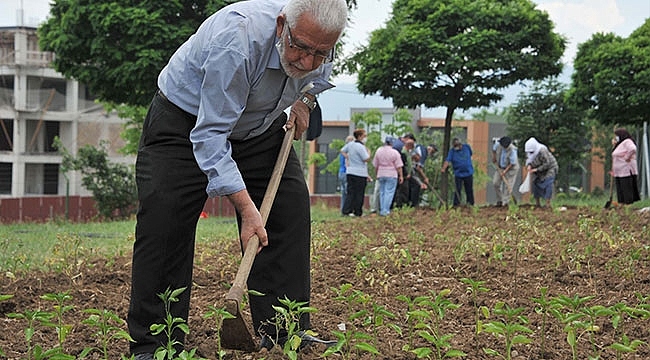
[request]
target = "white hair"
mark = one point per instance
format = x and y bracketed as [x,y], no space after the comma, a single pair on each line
[330,15]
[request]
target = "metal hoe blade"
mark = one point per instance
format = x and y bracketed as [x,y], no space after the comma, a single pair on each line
[235,334]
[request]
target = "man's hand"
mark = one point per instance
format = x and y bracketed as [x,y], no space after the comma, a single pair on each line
[299,115]
[251,219]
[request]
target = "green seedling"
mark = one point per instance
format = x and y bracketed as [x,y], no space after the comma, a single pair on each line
[62,330]
[3,298]
[590,325]
[69,254]
[33,319]
[167,351]
[107,328]
[219,315]
[442,348]
[619,312]
[474,288]
[352,339]
[568,310]
[287,318]
[626,346]
[512,326]
[544,307]
[416,317]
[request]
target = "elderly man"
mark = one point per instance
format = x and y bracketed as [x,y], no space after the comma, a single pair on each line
[504,157]
[214,129]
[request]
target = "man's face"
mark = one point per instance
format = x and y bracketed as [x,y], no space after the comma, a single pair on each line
[303,48]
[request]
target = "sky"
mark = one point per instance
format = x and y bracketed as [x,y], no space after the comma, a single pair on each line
[577,20]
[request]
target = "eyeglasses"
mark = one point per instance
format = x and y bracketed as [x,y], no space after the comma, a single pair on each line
[319,55]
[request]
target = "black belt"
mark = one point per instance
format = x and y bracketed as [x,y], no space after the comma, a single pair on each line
[160,93]
[162,96]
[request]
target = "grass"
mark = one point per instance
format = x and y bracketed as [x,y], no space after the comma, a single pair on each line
[31,246]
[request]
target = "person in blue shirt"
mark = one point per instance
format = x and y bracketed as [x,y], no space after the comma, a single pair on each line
[460,158]
[343,179]
[214,128]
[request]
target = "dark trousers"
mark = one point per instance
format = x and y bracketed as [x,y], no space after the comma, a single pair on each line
[402,194]
[627,189]
[355,196]
[414,192]
[172,193]
[467,183]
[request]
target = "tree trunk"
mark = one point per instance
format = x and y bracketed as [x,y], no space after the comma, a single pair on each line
[444,178]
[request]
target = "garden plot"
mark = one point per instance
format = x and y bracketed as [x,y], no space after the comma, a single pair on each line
[487,283]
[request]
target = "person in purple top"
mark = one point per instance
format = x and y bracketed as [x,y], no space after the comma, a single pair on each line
[624,167]
[388,166]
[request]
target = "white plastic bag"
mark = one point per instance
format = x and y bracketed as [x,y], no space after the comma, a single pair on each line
[525,185]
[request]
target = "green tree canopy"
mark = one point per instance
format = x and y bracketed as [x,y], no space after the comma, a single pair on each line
[457,53]
[612,77]
[118,47]
[544,113]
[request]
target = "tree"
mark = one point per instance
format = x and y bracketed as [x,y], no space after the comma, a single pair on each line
[612,77]
[118,47]
[112,184]
[544,113]
[457,54]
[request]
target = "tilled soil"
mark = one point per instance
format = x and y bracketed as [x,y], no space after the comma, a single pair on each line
[595,258]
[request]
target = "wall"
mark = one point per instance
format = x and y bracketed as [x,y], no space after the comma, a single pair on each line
[82,208]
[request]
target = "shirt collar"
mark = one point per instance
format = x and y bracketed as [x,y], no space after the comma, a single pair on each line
[274,59]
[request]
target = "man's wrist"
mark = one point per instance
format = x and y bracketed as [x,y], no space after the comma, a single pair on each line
[309,100]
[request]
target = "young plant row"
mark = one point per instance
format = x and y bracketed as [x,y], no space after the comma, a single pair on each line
[421,326]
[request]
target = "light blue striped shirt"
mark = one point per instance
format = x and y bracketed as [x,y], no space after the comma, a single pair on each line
[229,75]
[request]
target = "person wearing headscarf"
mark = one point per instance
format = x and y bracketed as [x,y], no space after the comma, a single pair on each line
[504,157]
[624,167]
[542,164]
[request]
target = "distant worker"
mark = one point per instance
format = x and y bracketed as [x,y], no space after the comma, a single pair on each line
[460,158]
[504,157]
[388,166]
[357,156]
[624,167]
[343,180]
[542,164]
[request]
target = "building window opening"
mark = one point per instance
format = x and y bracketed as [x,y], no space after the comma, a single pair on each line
[5,178]
[50,179]
[6,135]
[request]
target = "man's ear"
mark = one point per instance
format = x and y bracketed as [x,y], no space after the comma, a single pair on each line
[279,25]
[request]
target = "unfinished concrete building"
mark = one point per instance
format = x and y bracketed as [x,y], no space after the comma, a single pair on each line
[38,104]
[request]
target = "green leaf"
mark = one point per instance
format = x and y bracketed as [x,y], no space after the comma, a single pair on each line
[363,346]
[454,353]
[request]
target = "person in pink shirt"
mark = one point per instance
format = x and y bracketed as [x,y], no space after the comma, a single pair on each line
[624,167]
[388,164]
